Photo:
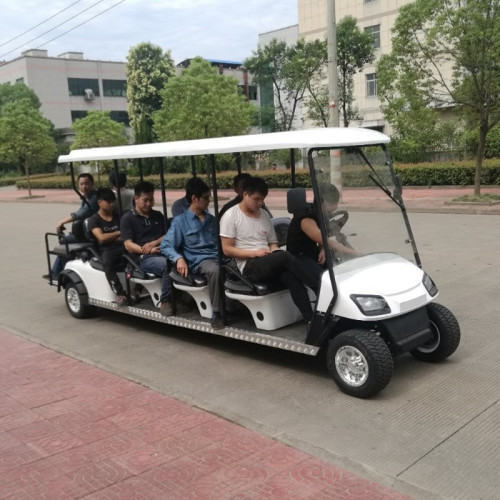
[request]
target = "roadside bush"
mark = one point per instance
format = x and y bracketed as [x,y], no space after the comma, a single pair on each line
[420,174]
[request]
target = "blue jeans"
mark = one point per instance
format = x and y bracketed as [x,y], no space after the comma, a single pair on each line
[60,262]
[159,266]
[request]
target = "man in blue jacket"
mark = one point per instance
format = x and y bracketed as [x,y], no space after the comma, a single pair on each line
[191,243]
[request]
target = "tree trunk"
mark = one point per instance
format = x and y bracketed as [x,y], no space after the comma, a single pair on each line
[483,132]
[28,178]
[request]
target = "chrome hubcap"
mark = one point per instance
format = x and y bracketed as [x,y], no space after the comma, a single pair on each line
[73,300]
[351,365]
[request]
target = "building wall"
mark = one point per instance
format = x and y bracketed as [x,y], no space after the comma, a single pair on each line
[48,77]
[312,25]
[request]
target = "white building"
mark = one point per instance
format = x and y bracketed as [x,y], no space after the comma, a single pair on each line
[70,86]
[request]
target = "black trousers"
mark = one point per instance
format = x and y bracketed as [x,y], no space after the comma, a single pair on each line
[111,260]
[282,266]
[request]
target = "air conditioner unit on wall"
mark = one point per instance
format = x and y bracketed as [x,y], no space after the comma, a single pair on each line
[88,95]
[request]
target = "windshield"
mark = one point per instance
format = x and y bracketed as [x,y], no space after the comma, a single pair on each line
[359,204]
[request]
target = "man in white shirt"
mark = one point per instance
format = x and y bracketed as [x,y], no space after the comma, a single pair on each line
[248,235]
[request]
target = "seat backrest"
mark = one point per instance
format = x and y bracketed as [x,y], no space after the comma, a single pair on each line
[296,201]
[281,228]
[87,233]
[78,231]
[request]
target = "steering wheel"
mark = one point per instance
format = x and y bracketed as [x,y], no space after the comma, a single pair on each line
[339,217]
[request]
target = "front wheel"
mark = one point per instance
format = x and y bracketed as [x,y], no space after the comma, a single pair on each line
[445,335]
[74,302]
[360,363]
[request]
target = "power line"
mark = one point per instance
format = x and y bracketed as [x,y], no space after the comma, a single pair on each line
[81,24]
[39,24]
[61,24]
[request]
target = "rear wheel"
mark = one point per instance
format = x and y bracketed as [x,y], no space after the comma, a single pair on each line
[74,302]
[360,363]
[445,335]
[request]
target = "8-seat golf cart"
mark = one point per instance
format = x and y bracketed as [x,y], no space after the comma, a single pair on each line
[370,306]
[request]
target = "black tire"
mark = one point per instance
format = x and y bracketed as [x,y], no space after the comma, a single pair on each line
[445,335]
[75,303]
[372,356]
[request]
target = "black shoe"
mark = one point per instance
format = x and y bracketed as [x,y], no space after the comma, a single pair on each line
[216,323]
[47,277]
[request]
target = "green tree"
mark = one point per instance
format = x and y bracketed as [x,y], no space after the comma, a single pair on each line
[201,103]
[148,70]
[98,130]
[354,51]
[16,92]
[446,53]
[26,136]
[292,72]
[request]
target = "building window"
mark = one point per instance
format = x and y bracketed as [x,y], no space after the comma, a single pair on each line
[252,92]
[120,117]
[114,88]
[371,85]
[369,1]
[78,86]
[20,80]
[76,115]
[374,31]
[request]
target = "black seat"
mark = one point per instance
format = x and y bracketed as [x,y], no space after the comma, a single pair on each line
[237,283]
[281,228]
[296,201]
[192,279]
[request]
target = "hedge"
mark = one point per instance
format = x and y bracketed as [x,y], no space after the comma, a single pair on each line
[424,174]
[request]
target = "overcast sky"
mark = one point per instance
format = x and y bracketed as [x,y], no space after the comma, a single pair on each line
[213,29]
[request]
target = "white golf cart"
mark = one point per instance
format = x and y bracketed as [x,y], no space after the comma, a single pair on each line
[370,307]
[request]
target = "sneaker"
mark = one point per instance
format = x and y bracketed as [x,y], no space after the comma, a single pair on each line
[166,309]
[47,277]
[216,323]
[121,300]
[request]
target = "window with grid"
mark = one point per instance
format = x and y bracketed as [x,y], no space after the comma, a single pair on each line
[374,31]
[114,88]
[77,86]
[371,85]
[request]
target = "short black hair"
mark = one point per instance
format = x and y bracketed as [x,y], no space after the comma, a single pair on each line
[90,177]
[240,177]
[197,187]
[143,187]
[106,194]
[119,180]
[255,185]
[329,193]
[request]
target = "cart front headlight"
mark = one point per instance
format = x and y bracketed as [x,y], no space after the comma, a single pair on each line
[371,305]
[429,285]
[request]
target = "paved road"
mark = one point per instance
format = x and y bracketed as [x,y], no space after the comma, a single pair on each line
[433,433]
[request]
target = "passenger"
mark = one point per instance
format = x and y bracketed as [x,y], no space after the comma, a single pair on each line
[248,235]
[304,239]
[87,208]
[182,204]
[119,183]
[191,243]
[142,230]
[105,227]
[238,182]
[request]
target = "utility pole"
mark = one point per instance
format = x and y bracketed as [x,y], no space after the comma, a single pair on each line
[333,91]
[333,88]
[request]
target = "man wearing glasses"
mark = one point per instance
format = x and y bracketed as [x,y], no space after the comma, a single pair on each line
[191,243]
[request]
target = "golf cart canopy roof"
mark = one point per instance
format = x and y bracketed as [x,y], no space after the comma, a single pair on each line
[311,138]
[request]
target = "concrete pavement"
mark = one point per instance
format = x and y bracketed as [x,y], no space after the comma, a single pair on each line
[431,434]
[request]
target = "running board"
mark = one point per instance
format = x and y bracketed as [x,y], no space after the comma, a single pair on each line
[230,332]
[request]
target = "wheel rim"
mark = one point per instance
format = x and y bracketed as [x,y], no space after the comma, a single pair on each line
[433,344]
[351,366]
[73,299]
